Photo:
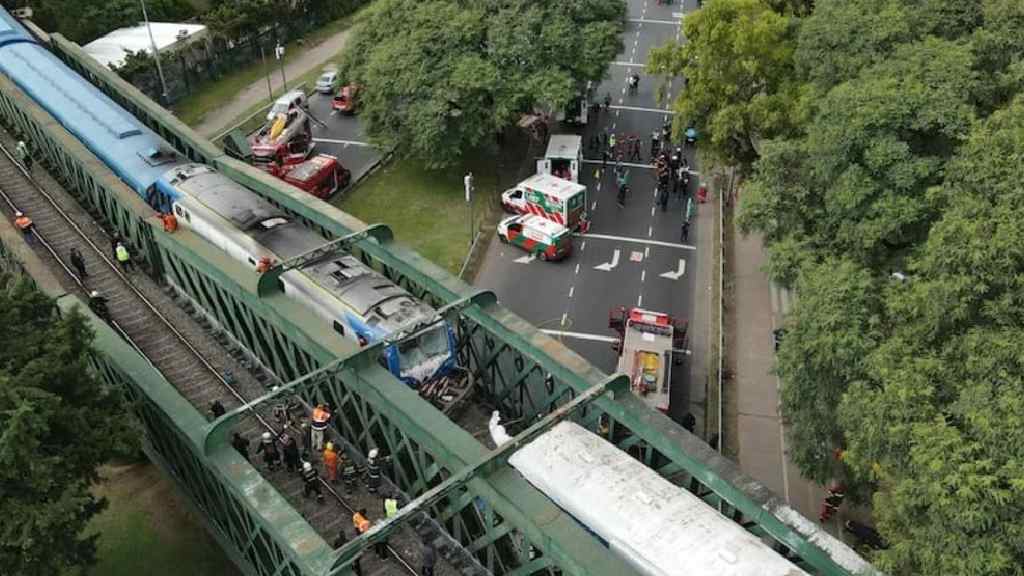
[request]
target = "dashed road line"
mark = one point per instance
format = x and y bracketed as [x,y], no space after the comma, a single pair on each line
[577,268]
[651,21]
[650,231]
[565,315]
[643,275]
[641,109]
[572,290]
[640,301]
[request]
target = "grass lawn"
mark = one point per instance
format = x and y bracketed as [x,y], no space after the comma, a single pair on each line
[425,208]
[192,108]
[149,529]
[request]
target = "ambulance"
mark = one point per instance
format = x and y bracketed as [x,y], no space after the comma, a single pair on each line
[550,197]
[563,158]
[536,235]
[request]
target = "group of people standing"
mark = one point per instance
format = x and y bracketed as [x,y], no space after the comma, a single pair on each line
[296,456]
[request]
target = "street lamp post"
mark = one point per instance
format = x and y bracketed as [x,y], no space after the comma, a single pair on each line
[156,53]
[279,53]
[468,182]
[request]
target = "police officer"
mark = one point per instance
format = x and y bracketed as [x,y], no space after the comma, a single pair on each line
[78,262]
[240,443]
[291,452]
[311,481]
[217,408]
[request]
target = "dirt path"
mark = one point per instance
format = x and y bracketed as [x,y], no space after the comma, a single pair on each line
[217,120]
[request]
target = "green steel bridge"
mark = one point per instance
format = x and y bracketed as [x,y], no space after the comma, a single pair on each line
[456,491]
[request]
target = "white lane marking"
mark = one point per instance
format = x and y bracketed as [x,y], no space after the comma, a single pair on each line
[638,241]
[677,273]
[580,335]
[679,15]
[346,142]
[628,64]
[572,290]
[650,21]
[583,246]
[643,275]
[565,315]
[594,206]
[641,109]
[647,252]
[650,231]
[526,259]
[640,301]
[577,268]
[609,266]
[652,207]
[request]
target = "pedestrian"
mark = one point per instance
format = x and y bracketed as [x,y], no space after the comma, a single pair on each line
[834,496]
[685,233]
[24,223]
[318,424]
[428,561]
[330,463]
[280,409]
[689,420]
[390,506]
[372,472]
[595,142]
[217,408]
[655,138]
[348,474]
[607,101]
[271,457]
[612,142]
[240,443]
[78,262]
[663,197]
[604,157]
[123,257]
[291,452]
[24,155]
[311,482]
[341,540]
[634,148]
[690,208]
[865,535]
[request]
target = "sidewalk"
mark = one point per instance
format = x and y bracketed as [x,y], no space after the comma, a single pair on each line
[758,308]
[219,119]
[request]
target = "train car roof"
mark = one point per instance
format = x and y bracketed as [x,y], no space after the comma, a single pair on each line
[11,30]
[660,527]
[136,154]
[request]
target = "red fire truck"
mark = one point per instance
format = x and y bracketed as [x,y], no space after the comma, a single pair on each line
[647,350]
[322,175]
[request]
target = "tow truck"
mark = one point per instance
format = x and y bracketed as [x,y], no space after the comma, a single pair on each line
[286,139]
[648,345]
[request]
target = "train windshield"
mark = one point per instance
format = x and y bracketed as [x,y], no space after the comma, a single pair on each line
[421,356]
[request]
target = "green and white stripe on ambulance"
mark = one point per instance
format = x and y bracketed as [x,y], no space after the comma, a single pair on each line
[537,235]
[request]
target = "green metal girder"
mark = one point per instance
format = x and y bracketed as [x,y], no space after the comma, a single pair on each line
[268,283]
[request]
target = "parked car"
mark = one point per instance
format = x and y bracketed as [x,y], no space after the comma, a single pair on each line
[346,100]
[537,235]
[292,99]
[327,83]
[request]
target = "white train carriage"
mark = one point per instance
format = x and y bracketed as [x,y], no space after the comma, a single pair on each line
[656,526]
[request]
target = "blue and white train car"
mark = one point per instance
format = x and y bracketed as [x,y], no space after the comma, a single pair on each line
[356,301]
[656,526]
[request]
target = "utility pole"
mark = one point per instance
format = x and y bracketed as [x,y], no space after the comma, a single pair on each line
[156,53]
[468,183]
[279,52]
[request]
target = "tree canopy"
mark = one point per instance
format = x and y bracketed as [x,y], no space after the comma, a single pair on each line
[902,154]
[57,424]
[441,77]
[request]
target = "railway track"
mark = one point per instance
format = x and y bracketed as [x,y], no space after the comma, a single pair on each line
[190,358]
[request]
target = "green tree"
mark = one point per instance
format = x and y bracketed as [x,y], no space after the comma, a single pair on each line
[740,80]
[837,321]
[442,77]
[57,424]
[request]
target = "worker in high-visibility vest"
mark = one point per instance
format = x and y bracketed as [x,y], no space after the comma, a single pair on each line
[390,505]
[24,223]
[331,463]
[123,257]
[318,423]
[360,521]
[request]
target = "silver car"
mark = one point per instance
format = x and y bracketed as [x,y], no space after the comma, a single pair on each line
[327,83]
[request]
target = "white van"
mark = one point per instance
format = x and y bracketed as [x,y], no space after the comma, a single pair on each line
[291,99]
[564,157]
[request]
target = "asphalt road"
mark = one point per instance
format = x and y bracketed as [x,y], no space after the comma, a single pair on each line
[632,255]
[341,136]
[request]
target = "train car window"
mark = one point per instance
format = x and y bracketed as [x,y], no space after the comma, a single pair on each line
[339,327]
[251,261]
[179,212]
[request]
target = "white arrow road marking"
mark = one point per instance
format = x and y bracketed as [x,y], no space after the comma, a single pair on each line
[526,259]
[674,275]
[608,266]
